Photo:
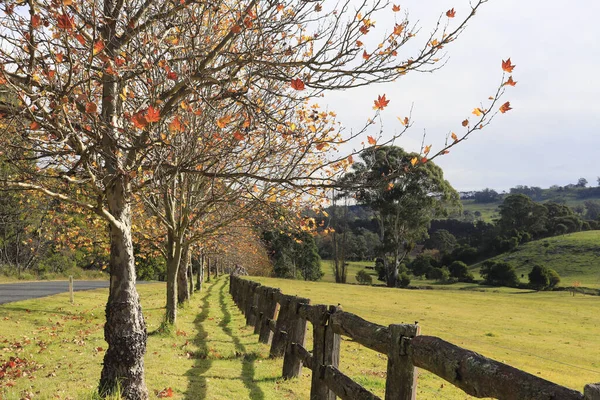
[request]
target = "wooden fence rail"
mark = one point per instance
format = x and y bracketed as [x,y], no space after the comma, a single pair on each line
[281,321]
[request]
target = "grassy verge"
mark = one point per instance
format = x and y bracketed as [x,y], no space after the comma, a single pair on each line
[210,354]
[7,276]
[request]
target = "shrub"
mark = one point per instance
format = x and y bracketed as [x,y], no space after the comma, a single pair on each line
[539,278]
[499,274]
[542,278]
[363,277]
[380,269]
[460,271]
[554,278]
[403,280]
[439,274]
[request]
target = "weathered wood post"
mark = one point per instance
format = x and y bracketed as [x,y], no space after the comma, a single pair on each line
[331,354]
[71,297]
[401,381]
[282,326]
[292,363]
[260,307]
[592,391]
[270,309]
[254,297]
[319,317]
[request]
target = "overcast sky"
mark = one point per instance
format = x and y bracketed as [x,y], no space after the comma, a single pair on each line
[552,134]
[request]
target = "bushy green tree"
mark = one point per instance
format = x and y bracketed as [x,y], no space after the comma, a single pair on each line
[542,277]
[460,271]
[499,274]
[404,202]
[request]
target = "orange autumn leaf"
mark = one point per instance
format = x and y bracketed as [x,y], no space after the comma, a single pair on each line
[280,7]
[172,75]
[424,160]
[381,103]
[320,146]
[176,125]
[510,82]
[236,29]
[35,21]
[91,107]
[139,121]
[152,114]
[168,392]
[454,137]
[366,55]
[64,22]
[98,47]
[297,84]
[67,2]
[465,122]
[237,135]
[505,107]
[414,161]
[59,57]
[507,66]
[478,111]
[398,29]
[403,121]
[395,8]
[34,125]
[451,13]
[80,39]
[427,149]
[371,140]
[359,43]
[223,121]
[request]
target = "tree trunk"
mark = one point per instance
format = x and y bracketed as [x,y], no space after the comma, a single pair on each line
[125,328]
[200,273]
[183,293]
[191,273]
[207,269]
[173,262]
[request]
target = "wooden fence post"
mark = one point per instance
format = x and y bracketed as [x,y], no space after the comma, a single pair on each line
[401,381]
[260,307]
[270,309]
[592,391]
[319,318]
[331,355]
[254,298]
[71,297]
[284,320]
[292,363]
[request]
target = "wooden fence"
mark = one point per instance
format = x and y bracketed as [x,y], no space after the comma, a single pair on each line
[281,321]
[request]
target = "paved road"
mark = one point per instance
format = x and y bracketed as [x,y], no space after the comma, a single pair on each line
[10,292]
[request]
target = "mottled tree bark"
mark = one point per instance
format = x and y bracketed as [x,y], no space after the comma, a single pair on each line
[125,328]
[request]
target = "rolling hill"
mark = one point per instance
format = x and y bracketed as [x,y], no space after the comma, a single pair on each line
[575,256]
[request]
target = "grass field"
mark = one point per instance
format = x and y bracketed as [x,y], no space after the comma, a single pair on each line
[576,257]
[212,355]
[353,268]
[489,211]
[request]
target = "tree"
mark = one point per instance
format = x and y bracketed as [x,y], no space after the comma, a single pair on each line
[460,271]
[442,240]
[539,277]
[499,274]
[519,213]
[542,277]
[581,182]
[486,196]
[102,83]
[404,202]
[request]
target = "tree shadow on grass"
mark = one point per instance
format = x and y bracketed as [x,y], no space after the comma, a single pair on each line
[248,367]
[202,363]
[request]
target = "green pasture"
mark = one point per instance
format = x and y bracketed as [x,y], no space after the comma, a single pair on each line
[212,355]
